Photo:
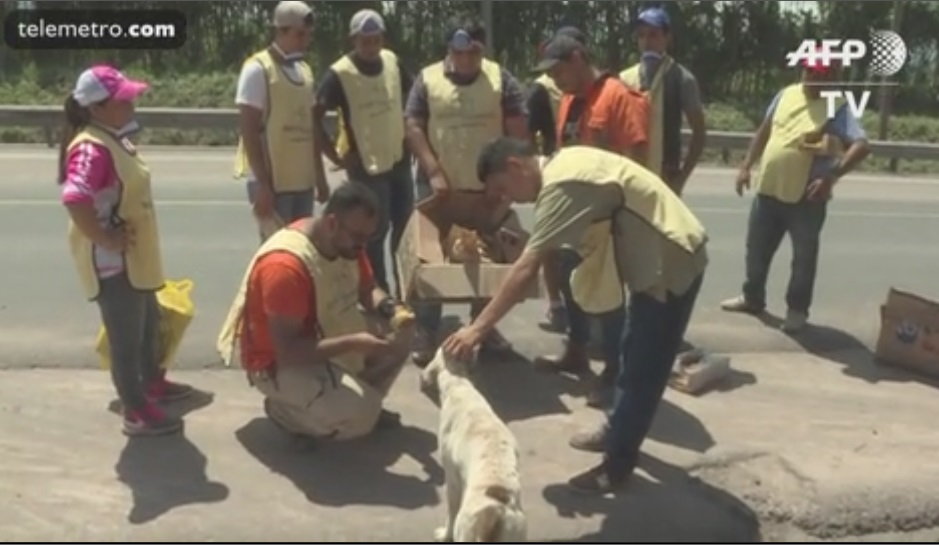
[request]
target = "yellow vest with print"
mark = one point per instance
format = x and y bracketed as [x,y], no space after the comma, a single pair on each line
[336,285]
[632,77]
[653,244]
[288,127]
[463,119]
[143,261]
[797,138]
[375,112]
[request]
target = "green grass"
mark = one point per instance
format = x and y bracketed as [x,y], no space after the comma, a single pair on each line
[217,90]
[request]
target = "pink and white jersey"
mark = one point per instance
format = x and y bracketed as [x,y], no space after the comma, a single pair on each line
[90,177]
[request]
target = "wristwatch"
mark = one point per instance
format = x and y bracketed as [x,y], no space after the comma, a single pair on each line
[386,307]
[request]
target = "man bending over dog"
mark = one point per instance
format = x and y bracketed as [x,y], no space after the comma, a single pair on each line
[630,230]
[310,321]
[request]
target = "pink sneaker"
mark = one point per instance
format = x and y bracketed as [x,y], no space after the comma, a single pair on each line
[165,391]
[150,421]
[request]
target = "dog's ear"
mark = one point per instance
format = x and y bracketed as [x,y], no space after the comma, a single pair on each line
[428,383]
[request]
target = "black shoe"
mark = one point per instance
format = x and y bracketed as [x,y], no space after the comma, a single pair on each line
[597,481]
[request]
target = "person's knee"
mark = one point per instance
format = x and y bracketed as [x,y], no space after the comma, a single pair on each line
[356,416]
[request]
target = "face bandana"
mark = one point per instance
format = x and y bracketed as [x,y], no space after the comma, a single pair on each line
[131,128]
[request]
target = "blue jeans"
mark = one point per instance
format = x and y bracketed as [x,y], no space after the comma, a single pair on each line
[395,192]
[770,220]
[611,323]
[653,336]
[289,206]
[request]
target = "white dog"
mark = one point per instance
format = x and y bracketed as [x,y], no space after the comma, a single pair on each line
[479,457]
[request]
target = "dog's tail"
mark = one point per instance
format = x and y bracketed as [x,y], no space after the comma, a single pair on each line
[492,516]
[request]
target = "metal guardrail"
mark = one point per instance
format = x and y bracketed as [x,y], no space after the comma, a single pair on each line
[49,118]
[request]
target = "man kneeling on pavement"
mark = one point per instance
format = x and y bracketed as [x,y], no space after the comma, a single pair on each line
[315,333]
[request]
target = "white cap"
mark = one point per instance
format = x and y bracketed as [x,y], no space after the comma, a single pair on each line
[366,22]
[102,82]
[292,13]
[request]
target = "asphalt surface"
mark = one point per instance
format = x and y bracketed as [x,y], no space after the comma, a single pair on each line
[879,234]
[791,447]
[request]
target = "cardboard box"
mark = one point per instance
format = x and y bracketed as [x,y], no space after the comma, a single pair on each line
[909,333]
[422,265]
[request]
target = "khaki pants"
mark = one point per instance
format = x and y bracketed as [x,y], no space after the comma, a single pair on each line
[323,401]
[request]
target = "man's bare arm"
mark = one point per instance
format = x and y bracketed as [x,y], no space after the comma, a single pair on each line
[322,142]
[758,144]
[420,146]
[251,126]
[294,345]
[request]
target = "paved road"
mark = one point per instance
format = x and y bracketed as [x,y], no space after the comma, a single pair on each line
[879,235]
[800,445]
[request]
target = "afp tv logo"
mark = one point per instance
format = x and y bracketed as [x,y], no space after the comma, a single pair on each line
[888,53]
[885,51]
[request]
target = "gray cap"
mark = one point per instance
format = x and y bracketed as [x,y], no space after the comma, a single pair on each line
[366,22]
[560,48]
[292,13]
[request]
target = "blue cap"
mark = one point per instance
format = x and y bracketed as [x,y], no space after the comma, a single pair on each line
[655,17]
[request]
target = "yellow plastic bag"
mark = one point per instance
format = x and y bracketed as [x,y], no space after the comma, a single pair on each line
[176,312]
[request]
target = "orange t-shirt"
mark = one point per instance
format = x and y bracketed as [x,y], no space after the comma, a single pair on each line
[612,116]
[280,285]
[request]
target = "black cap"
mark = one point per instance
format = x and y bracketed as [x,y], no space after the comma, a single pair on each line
[560,48]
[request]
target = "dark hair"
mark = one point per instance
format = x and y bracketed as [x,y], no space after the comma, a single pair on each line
[77,118]
[494,157]
[469,24]
[352,196]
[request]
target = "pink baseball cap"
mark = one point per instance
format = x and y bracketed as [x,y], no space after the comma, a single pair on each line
[103,82]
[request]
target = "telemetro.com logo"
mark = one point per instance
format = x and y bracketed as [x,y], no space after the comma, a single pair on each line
[885,50]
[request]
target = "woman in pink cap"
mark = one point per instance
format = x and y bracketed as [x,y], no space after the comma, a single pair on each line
[114,240]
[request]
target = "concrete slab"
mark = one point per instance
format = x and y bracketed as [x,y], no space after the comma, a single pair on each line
[791,444]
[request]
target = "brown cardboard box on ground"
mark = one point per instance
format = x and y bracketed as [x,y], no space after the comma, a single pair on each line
[909,333]
[421,261]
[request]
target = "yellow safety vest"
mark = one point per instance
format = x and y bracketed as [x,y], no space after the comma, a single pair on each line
[663,246]
[463,119]
[554,94]
[632,77]
[143,261]
[336,285]
[375,112]
[796,139]
[288,127]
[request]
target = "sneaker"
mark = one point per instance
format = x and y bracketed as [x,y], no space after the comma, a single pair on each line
[150,421]
[740,304]
[166,391]
[596,481]
[795,321]
[590,441]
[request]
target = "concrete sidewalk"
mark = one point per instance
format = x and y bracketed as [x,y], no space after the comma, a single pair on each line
[792,448]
